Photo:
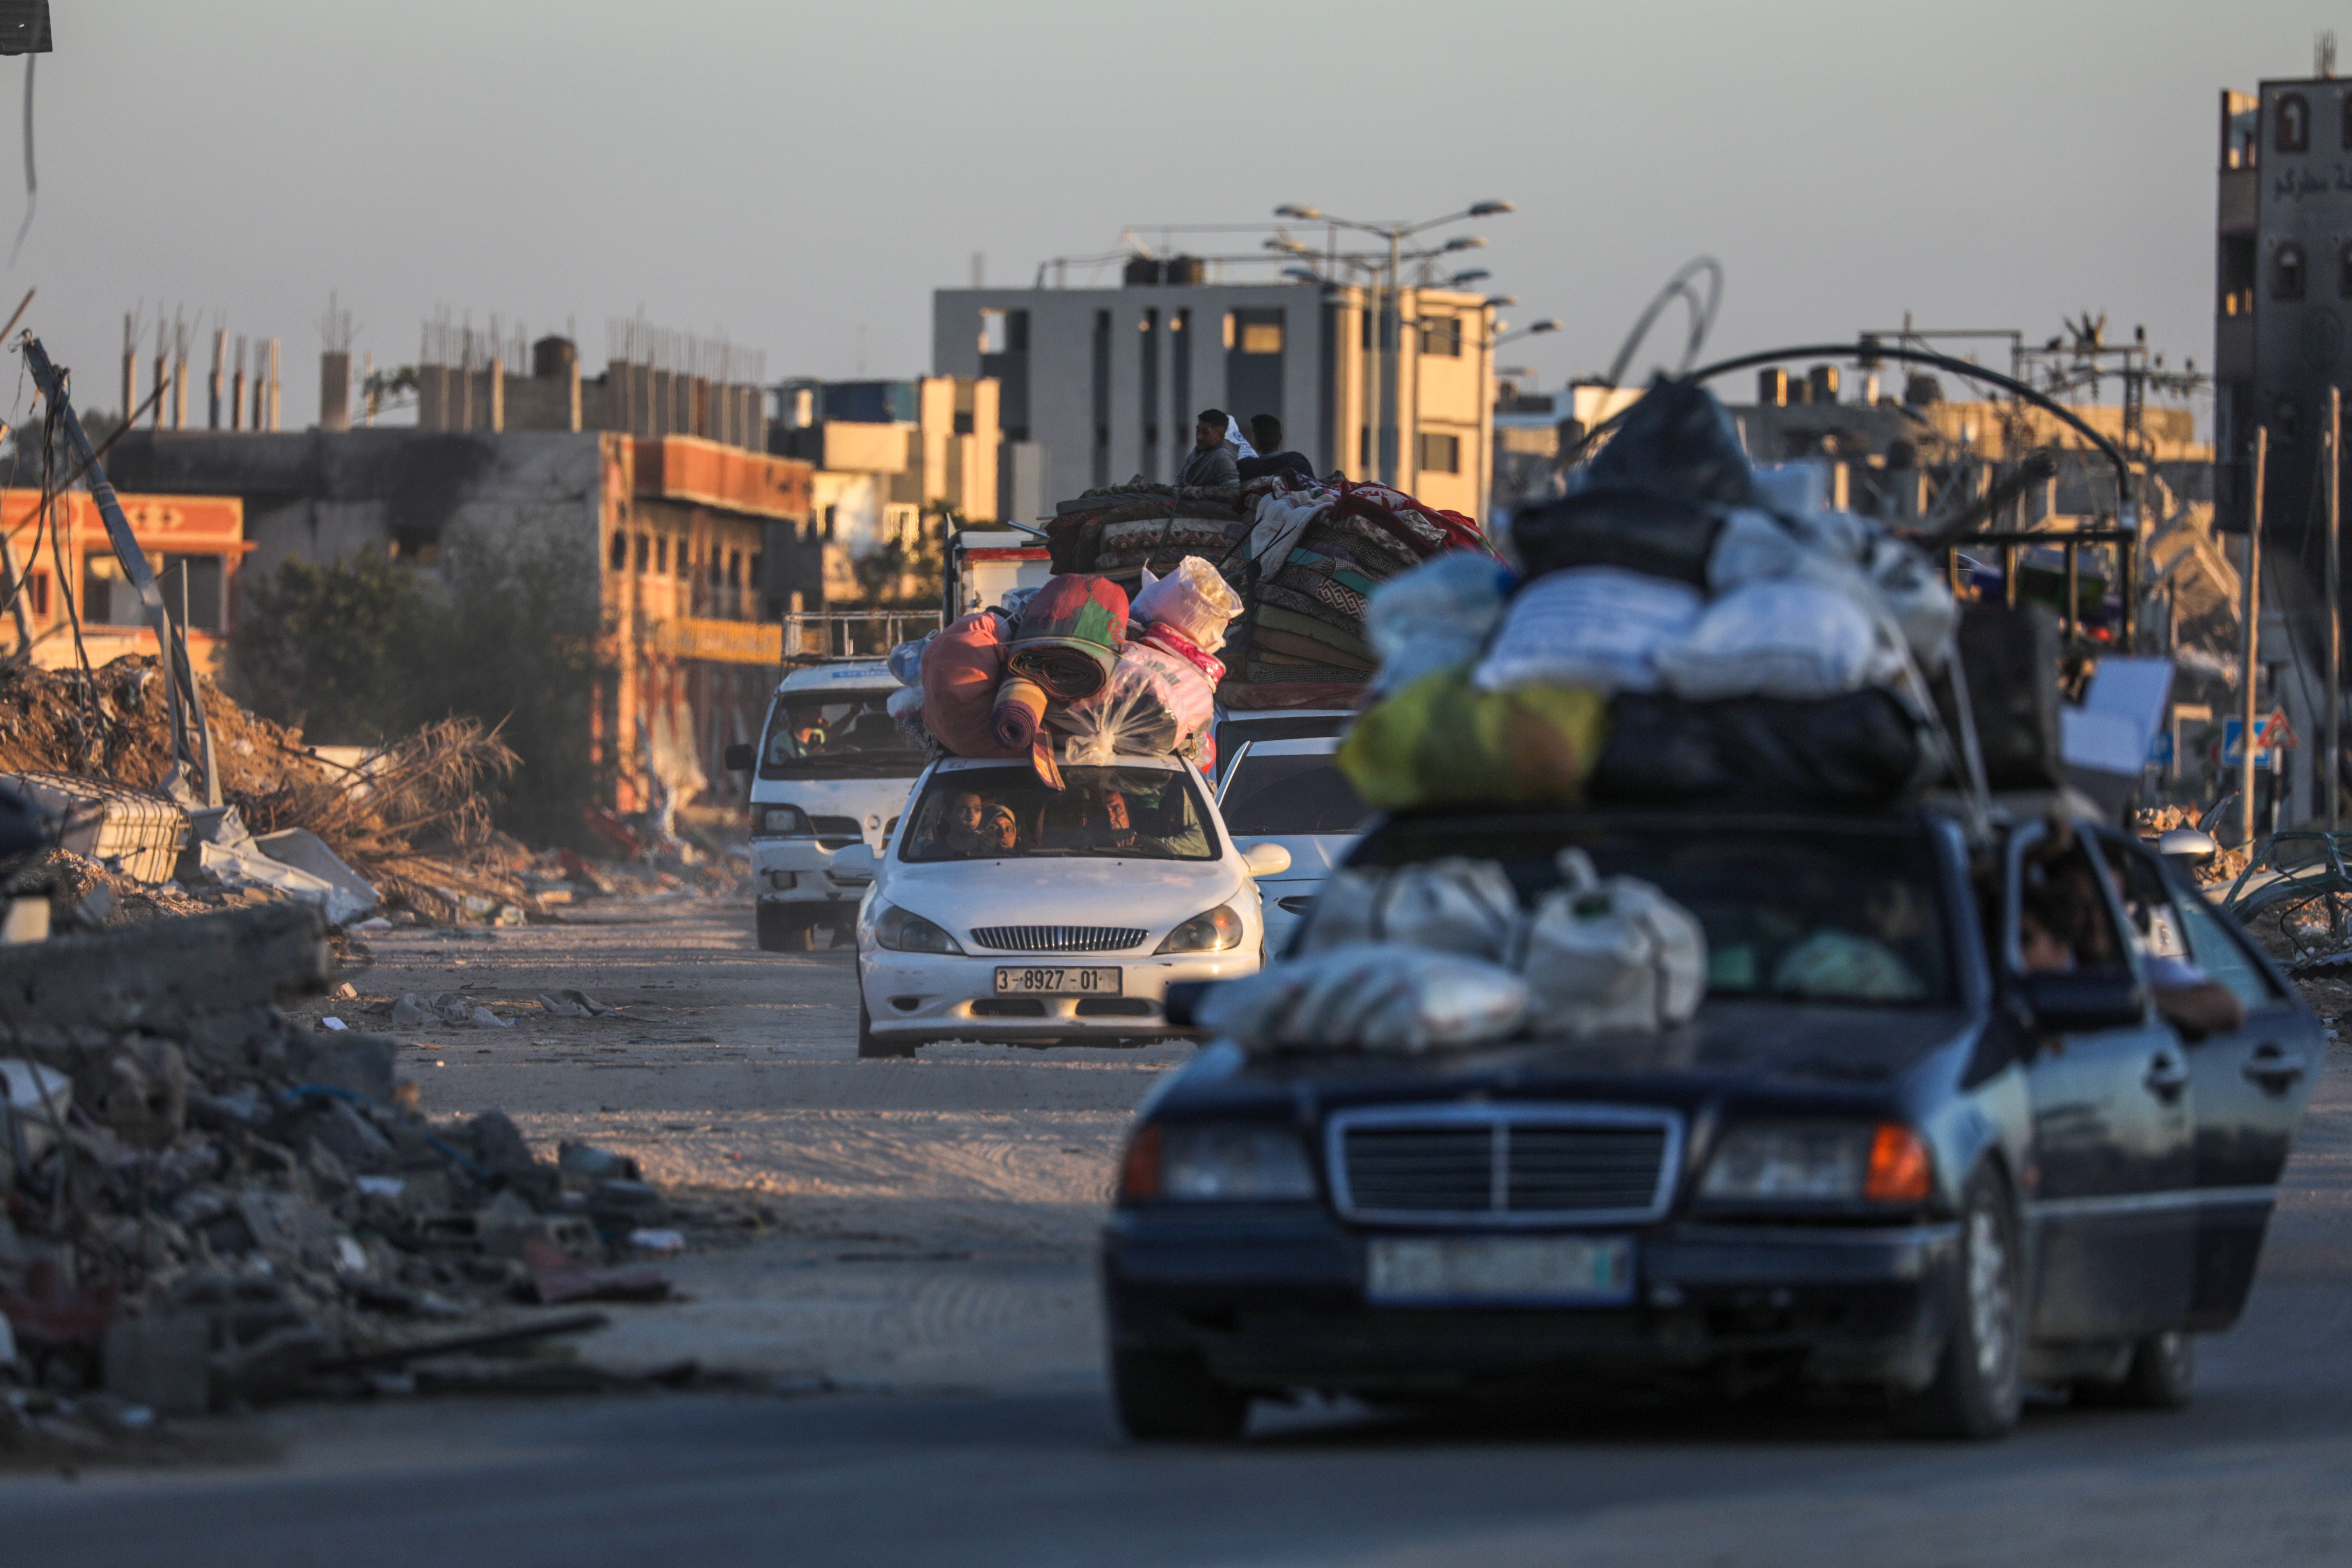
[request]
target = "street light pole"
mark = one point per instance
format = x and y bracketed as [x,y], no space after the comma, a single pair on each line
[2335,599]
[1376,462]
[2254,641]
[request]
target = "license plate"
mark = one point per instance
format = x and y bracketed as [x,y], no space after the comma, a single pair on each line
[1499,1268]
[1058,982]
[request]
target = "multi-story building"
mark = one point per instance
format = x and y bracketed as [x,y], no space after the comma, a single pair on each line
[1107,380]
[681,532]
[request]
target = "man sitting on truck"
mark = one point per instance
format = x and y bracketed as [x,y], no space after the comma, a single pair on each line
[1212,463]
[1265,432]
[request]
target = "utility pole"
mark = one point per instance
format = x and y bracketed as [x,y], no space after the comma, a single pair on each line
[2335,598]
[2254,641]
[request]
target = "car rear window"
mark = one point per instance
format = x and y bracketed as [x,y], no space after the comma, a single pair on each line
[1817,914]
[1274,795]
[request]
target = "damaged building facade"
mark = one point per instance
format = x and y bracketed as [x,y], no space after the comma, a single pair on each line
[683,535]
[195,543]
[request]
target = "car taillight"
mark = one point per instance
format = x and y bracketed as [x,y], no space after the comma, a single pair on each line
[1899,1172]
[1139,1173]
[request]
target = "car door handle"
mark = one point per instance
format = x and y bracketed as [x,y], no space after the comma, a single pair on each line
[2167,1077]
[2273,1069]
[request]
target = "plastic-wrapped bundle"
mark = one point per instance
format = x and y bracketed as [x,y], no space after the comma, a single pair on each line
[961,670]
[1069,636]
[1440,743]
[1614,955]
[1155,702]
[907,660]
[906,709]
[1433,618]
[1785,637]
[1664,536]
[1371,996]
[1451,905]
[1594,626]
[1193,599]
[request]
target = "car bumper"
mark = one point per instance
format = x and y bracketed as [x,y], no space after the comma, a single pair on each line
[923,996]
[800,871]
[1272,1299]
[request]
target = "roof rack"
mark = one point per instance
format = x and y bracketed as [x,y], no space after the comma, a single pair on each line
[831,637]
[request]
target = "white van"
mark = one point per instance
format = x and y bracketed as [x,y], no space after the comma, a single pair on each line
[833,769]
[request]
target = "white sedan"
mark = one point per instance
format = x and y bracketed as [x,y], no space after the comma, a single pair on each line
[1291,792]
[1004,909]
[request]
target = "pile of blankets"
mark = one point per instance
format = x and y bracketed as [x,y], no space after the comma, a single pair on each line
[1303,555]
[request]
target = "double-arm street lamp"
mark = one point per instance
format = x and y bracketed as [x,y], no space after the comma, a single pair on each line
[1384,462]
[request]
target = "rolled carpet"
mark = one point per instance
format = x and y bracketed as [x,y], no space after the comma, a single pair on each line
[1069,670]
[1019,709]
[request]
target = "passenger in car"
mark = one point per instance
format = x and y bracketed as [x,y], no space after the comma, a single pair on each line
[959,832]
[999,833]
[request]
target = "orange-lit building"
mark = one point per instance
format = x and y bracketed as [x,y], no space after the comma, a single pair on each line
[193,544]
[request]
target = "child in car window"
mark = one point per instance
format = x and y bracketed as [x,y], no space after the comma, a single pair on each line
[999,833]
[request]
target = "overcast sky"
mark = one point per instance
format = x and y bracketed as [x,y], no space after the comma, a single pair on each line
[796,173]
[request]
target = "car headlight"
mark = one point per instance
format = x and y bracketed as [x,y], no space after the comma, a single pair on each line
[1215,931]
[900,931]
[1818,1163]
[781,822]
[1215,1161]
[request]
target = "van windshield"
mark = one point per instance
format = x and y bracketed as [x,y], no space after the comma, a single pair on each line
[836,735]
[1007,814]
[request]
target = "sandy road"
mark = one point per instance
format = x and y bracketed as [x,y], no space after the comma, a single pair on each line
[935,1216]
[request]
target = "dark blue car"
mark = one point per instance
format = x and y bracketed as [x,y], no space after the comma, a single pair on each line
[1901,1147]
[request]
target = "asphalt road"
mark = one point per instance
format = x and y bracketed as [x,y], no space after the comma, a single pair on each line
[2258,1471]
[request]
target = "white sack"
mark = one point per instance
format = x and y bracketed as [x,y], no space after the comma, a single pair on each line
[1593,625]
[1373,996]
[1787,637]
[1448,905]
[1436,617]
[1614,955]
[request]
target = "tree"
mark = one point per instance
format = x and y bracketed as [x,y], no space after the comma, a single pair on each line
[332,648]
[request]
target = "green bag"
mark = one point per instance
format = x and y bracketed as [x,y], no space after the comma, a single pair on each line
[1441,742]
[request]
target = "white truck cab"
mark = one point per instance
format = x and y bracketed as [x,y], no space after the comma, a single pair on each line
[832,771]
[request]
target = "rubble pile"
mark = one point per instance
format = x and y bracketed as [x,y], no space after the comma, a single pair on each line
[202,1205]
[411,819]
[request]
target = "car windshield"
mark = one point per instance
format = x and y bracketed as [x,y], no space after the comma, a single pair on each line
[1008,813]
[1814,915]
[830,734]
[1273,796]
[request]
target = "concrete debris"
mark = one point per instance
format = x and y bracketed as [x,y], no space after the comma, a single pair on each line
[445,1010]
[203,1206]
[574,1005]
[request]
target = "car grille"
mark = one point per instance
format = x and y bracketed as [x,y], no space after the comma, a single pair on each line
[837,832]
[1488,1166]
[1057,939]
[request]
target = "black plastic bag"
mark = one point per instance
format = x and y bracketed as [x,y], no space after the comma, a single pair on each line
[1860,749]
[1677,438]
[1653,533]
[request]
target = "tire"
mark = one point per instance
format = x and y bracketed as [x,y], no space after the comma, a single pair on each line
[1167,1396]
[868,1047]
[2162,1376]
[783,929]
[1979,1383]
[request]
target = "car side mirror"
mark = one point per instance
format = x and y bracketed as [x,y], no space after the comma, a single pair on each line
[741,757]
[1266,860]
[2186,844]
[2083,1001]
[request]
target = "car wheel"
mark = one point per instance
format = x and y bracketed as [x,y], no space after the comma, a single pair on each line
[2161,1376]
[1165,1396]
[780,926]
[868,1047]
[1979,1383]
